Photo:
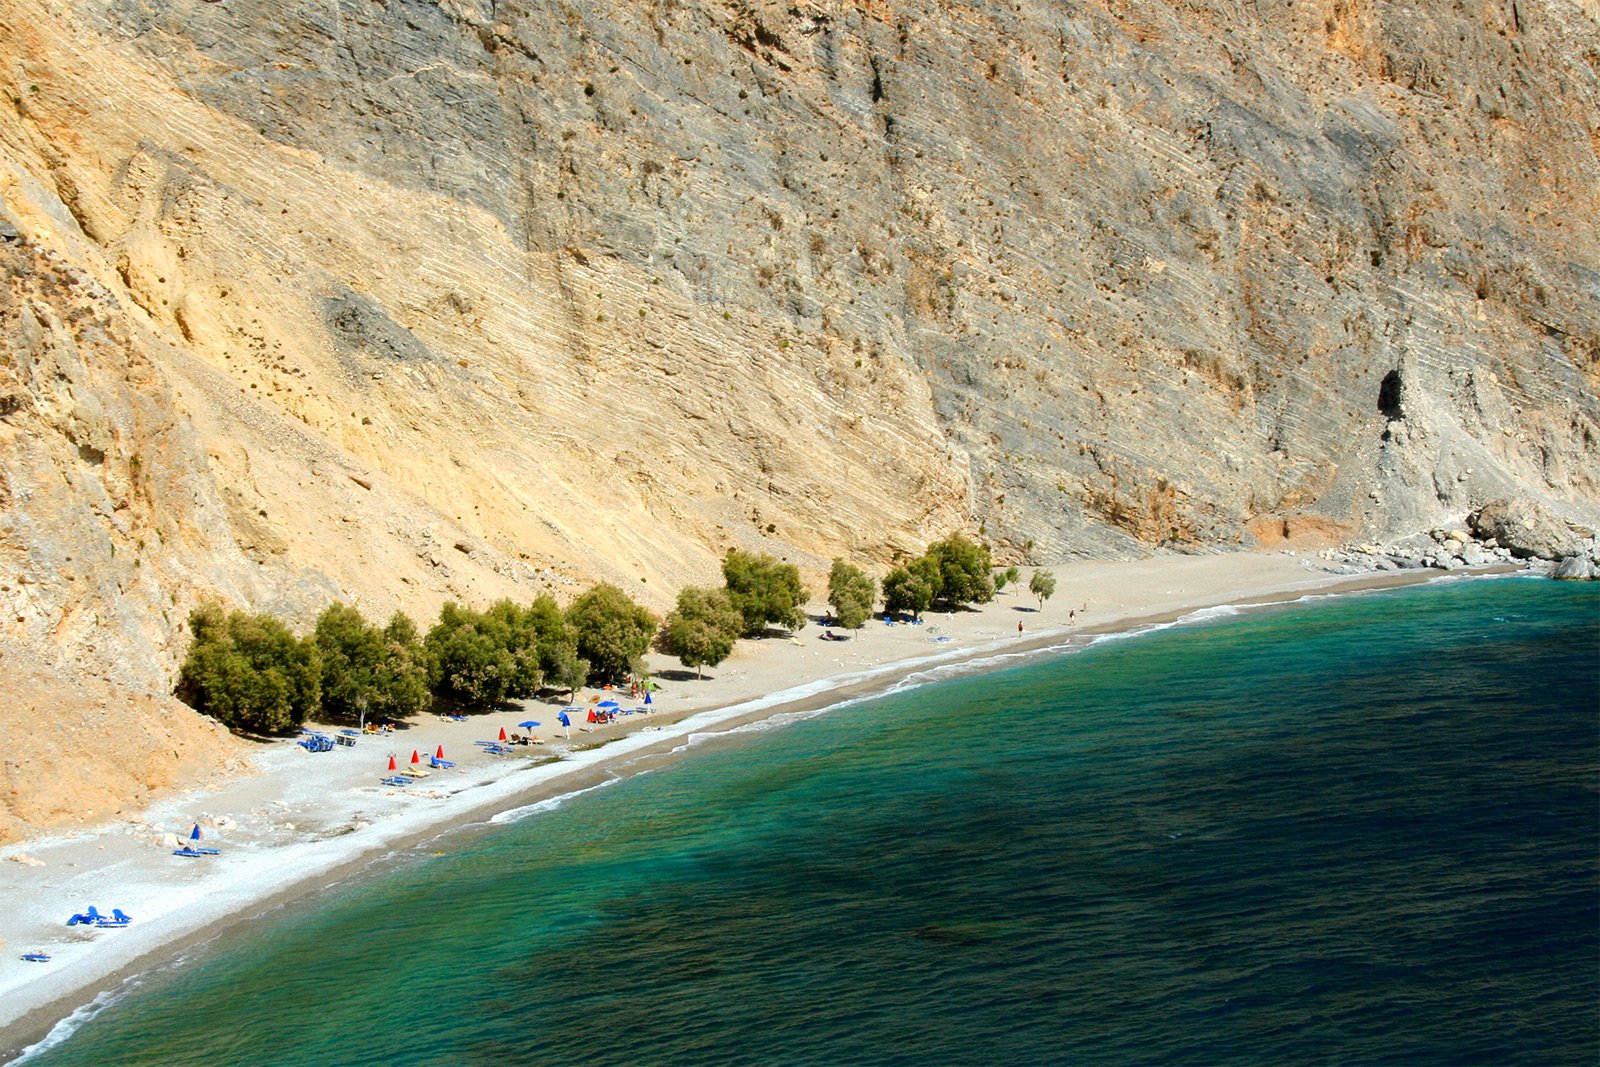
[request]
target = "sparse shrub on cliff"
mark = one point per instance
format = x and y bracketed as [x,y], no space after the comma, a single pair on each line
[701,630]
[764,591]
[612,631]
[249,672]
[852,592]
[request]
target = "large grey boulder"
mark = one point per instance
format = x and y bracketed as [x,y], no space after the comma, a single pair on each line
[1574,569]
[1527,530]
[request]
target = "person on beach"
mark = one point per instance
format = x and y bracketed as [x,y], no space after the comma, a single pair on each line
[1019,629]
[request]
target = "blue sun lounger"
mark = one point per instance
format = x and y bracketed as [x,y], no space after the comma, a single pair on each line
[441,763]
[398,780]
[114,920]
[36,957]
[187,852]
[85,918]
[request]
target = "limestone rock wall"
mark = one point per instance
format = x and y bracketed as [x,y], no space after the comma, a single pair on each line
[403,301]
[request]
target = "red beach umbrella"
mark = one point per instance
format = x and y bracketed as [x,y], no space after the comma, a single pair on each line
[502,733]
[391,763]
[439,754]
[414,757]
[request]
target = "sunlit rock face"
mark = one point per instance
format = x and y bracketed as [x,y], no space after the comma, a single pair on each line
[397,301]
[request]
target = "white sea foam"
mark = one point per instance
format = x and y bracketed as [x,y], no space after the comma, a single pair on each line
[64,1029]
[1219,611]
[548,804]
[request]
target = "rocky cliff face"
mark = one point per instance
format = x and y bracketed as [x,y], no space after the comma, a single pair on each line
[401,301]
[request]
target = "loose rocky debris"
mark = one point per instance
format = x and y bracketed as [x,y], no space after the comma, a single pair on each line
[1499,533]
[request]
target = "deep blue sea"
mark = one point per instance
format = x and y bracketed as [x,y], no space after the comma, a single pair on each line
[1360,830]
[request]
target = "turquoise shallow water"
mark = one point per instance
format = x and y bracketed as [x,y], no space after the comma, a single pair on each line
[1361,830]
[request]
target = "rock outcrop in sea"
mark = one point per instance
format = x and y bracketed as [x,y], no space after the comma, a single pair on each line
[400,302]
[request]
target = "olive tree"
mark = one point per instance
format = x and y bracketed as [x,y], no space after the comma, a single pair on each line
[852,592]
[249,671]
[470,659]
[701,630]
[365,669]
[964,571]
[612,631]
[763,591]
[1004,578]
[1043,586]
[911,587]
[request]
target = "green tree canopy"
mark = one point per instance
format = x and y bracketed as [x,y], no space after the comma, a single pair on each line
[469,658]
[701,630]
[352,651]
[519,629]
[910,588]
[1005,578]
[964,571]
[1043,586]
[764,591]
[852,592]
[557,642]
[249,672]
[402,678]
[612,631]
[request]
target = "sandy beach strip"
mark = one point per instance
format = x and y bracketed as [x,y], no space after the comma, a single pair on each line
[308,820]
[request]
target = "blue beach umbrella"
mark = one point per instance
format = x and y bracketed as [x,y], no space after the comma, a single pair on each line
[563,720]
[647,696]
[530,724]
[194,835]
[608,704]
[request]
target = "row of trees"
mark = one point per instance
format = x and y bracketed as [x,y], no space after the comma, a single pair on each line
[253,674]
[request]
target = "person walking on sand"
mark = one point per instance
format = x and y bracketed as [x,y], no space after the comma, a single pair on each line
[1019,628]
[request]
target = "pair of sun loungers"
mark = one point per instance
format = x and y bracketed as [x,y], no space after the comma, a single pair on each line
[316,742]
[91,917]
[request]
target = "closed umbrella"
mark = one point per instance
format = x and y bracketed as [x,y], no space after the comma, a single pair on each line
[502,733]
[416,757]
[439,754]
[392,766]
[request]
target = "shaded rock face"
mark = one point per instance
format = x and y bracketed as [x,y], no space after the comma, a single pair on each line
[598,292]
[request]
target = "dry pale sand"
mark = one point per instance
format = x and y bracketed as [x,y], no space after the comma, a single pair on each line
[306,819]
